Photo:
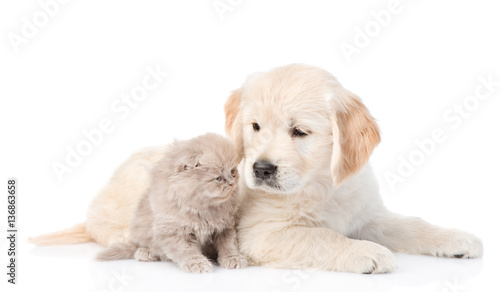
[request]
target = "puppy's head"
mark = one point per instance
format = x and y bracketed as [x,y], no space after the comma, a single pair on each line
[295,124]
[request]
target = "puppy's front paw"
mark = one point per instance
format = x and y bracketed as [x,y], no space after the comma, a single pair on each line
[197,265]
[233,261]
[366,257]
[457,244]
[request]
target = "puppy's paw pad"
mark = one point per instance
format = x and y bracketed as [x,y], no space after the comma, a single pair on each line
[233,262]
[369,258]
[198,267]
[458,244]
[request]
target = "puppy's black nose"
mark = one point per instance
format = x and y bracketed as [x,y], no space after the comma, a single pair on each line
[264,170]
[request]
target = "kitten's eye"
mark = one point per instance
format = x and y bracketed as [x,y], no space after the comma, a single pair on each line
[256,127]
[298,133]
[219,178]
[233,172]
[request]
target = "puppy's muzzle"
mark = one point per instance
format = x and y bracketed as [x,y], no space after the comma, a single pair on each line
[264,170]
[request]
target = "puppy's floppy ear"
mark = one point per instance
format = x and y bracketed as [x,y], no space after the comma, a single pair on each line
[233,119]
[355,135]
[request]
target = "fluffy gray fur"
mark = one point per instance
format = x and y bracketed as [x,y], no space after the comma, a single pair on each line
[188,214]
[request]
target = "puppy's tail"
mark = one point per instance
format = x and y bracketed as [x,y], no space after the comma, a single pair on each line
[72,235]
[118,251]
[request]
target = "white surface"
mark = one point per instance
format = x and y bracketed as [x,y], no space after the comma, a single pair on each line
[68,75]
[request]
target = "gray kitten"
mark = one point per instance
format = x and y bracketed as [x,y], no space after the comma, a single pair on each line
[188,214]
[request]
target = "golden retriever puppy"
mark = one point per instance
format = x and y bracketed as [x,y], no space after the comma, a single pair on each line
[309,198]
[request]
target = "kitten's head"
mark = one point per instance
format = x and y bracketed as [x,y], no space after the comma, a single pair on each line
[208,164]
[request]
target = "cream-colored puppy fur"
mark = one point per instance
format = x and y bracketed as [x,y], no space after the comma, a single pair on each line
[110,213]
[321,209]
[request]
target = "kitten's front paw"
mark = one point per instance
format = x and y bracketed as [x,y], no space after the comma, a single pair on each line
[197,265]
[458,244]
[233,261]
[144,255]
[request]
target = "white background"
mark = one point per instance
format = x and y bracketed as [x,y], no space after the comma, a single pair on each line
[67,75]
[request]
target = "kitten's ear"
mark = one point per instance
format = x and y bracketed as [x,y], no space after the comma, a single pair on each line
[188,163]
[233,119]
[181,167]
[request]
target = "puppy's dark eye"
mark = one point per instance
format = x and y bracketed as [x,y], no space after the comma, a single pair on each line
[256,127]
[298,133]
[219,178]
